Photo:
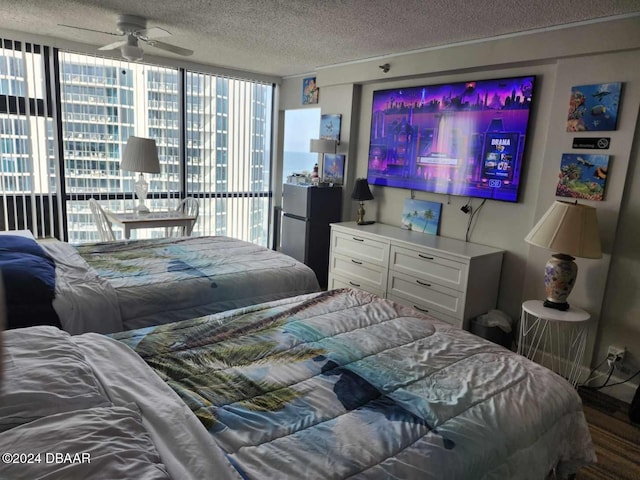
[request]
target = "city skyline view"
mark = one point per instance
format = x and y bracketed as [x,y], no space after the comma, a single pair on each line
[222,131]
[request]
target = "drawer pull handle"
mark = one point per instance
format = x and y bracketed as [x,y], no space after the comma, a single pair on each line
[424,284]
[356,262]
[425,256]
[358,239]
[354,284]
[421,309]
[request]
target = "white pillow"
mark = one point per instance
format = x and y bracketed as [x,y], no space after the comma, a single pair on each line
[97,443]
[44,373]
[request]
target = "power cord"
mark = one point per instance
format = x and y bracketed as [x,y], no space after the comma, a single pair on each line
[611,368]
[612,364]
[621,382]
[589,379]
[469,208]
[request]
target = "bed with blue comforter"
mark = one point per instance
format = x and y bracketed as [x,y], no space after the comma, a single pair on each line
[113,286]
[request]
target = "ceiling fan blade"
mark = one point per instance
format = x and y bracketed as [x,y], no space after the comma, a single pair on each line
[153,32]
[90,30]
[170,48]
[114,45]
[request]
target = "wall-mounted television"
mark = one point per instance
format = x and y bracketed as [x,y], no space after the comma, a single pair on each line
[464,138]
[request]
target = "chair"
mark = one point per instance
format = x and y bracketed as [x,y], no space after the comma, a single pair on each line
[102,222]
[188,206]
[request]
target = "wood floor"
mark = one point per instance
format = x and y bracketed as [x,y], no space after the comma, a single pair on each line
[616,440]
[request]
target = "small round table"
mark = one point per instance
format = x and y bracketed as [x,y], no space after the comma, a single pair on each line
[554,338]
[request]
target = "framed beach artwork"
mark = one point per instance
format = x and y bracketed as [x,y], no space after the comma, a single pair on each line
[330,126]
[582,176]
[421,216]
[594,108]
[309,91]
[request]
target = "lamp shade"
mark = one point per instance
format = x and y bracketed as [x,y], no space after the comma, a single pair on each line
[568,228]
[140,155]
[322,146]
[361,190]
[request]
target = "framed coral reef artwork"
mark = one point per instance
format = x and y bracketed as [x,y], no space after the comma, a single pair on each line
[309,91]
[594,107]
[333,171]
[582,176]
[421,216]
[330,126]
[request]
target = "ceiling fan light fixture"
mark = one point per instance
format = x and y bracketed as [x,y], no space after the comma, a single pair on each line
[133,53]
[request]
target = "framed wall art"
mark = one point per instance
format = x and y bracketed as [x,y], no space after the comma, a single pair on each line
[594,108]
[333,170]
[330,126]
[309,91]
[421,216]
[582,176]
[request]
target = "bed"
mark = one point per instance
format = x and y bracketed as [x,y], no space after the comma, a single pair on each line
[330,385]
[114,286]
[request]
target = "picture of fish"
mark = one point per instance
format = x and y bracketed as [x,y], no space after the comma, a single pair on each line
[601,172]
[594,107]
[584,162]
[582,176]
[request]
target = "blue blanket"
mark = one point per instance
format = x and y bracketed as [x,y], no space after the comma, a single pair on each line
[29,277]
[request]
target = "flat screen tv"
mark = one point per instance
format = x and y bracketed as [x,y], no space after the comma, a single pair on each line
[463,138]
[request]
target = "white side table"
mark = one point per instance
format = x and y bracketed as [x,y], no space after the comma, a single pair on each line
[554,338]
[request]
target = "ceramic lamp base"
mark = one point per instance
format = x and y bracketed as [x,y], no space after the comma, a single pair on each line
[559,278]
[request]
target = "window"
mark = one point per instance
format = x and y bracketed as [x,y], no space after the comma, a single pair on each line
[222,157]
[300,126]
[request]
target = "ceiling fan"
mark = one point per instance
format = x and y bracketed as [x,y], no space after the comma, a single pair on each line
[135,30]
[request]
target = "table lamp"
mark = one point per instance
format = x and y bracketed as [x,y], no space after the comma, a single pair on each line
[141,155]
[322,146]
[361,192]
[571,230]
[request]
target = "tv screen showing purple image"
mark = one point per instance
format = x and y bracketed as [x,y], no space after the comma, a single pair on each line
[463,138]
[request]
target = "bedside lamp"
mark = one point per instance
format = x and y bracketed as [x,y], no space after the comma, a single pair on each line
[141,155]
[571,230]
[361,192]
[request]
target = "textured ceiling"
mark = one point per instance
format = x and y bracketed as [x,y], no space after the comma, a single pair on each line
[288,37]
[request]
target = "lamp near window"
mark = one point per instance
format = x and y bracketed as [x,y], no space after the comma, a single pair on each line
[321,145]
[361,192]
[141,155]
[571,230]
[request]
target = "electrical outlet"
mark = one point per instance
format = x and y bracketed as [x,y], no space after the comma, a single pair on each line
[616,354]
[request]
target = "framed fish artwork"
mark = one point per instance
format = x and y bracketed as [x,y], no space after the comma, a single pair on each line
[582,176]
[594,108]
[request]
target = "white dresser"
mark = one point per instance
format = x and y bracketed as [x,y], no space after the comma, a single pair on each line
[450,279]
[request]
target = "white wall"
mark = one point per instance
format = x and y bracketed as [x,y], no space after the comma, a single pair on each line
[560,59]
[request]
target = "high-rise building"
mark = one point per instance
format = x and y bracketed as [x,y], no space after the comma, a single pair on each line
[226,124]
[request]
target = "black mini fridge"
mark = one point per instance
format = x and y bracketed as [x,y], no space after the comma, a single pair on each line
[307,211]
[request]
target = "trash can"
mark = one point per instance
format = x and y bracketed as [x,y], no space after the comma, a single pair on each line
[495,326]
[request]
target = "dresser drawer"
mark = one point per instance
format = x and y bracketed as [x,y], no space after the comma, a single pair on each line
[360,248]
[359,270]
[456,322]
[429,267]
[338,281]
[430,296]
